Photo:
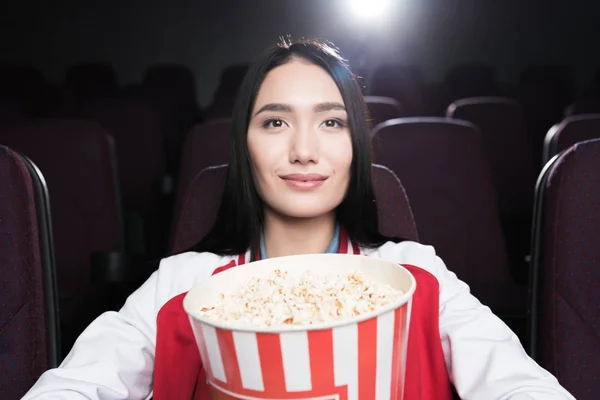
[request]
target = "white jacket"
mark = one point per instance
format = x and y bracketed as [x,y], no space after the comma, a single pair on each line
[113,358]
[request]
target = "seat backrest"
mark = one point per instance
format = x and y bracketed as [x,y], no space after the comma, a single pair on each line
[502,126]
[130,120]
[28,316]
[206,144]
[568,132]
[197,211]
[443,166]
[77,159]
[203,198]
[565,269]
[395,214]
[382,109]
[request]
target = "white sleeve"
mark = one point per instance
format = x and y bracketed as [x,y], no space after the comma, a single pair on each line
[113,359]
[484,357]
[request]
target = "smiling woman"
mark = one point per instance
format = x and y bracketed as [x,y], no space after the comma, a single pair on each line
[299,143]
[299,182]
[300,154]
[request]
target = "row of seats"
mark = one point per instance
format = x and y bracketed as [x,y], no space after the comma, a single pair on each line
[95,217]
[563,302]
[546,92]
[167,97]
[169,91]
[544,85]
[502,125]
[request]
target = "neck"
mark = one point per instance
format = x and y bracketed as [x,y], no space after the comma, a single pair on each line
[286,236]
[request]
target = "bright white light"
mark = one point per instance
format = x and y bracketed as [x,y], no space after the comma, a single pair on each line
[369,8]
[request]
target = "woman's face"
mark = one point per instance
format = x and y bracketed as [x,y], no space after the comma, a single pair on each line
[299,141]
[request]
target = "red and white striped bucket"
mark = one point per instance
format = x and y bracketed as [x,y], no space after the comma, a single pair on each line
[363,358]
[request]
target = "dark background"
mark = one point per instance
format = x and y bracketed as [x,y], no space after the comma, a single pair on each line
[209,35]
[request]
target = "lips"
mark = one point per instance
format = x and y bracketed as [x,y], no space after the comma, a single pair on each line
[304,182]
[304,177]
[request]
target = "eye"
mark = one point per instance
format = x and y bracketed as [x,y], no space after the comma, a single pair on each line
[333,123]
[274,123]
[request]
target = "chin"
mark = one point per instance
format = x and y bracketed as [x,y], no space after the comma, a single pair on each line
[304,209]
[305,215]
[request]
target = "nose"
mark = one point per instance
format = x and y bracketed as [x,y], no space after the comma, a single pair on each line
[304,147]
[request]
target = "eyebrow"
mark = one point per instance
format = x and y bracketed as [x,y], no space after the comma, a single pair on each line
[321,107]
[274,107]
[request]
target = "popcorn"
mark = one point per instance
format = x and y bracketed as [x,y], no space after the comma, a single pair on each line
[281,299]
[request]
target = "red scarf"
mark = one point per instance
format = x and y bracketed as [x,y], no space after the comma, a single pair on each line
[178,372]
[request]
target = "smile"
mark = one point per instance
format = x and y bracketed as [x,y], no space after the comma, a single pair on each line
[305,182]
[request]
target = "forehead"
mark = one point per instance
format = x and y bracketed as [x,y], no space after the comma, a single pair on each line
[298,83]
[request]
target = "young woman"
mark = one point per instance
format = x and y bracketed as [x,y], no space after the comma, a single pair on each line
[299,182]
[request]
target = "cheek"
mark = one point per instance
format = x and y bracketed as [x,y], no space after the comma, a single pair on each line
[258,152]
[267,153]
[255,160]
[260,161]
[341,155]
[253,146]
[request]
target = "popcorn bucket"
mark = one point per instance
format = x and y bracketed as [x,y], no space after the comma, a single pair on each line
[356,358]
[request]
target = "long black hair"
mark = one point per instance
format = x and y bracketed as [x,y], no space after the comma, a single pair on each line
[239,220]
